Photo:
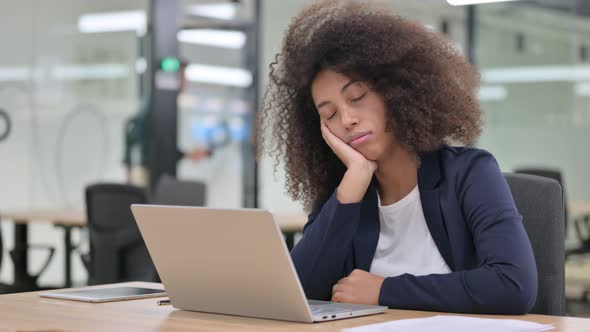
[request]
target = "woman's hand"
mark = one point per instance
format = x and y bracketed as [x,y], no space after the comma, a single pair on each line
[359,172]
[360,287]
[347,154]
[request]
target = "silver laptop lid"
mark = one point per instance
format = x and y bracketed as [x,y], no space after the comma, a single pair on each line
[223,261]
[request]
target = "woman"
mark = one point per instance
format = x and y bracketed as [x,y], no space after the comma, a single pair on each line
[362,105]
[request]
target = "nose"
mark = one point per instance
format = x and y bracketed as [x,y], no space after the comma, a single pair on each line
[349,118]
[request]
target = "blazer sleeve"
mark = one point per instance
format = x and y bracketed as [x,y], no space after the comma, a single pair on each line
[505,279]
[320,255]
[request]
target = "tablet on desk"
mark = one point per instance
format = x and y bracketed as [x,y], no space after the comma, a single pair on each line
[105,294]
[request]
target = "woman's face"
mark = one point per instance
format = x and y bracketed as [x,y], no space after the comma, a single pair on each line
[354,113]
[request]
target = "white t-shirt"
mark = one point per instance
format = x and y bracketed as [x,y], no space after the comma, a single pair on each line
[405,244]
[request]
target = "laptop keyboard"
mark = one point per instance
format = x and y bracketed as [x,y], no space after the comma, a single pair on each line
[321,307]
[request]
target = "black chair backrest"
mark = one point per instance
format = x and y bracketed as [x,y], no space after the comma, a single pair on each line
[117,250]
[171,191]
[551,173]
[540,202]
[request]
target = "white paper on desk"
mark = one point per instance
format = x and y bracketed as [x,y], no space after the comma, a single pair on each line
[453,323]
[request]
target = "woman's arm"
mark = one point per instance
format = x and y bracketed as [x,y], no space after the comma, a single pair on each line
[505,281]
[327,237]
[327,240]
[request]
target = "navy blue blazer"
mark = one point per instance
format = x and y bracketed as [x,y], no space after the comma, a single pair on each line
[473,221]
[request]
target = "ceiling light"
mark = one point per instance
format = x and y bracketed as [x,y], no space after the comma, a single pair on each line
[218,38]
[473,2]
[536,74]
[224,11]
[218,75]
[14,74]
[134,20]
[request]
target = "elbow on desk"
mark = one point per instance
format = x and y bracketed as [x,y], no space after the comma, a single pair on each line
[524,295]
[517,301]
[517,297]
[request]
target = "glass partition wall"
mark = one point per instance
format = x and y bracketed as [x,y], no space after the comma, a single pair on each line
[533,59]
[68,84]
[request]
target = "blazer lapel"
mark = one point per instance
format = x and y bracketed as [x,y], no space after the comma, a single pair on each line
[429,176]
[367,235]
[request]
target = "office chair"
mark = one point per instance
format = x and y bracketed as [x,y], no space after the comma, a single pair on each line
[117,250]
[171,191]
[550,173]
[581,223]
[540,202]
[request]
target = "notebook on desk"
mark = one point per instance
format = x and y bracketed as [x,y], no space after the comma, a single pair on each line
[231,262]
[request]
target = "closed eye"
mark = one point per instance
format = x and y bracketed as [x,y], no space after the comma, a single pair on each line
[331,116]
[360,97]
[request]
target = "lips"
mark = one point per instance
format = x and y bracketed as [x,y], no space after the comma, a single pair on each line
[358,138]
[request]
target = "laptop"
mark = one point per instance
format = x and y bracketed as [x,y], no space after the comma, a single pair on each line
[231,261]
[107,294]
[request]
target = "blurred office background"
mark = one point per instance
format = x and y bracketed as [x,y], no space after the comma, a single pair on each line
[73,72]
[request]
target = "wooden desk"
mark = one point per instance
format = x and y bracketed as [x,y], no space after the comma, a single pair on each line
[290,222]
[29,312]
[64,218]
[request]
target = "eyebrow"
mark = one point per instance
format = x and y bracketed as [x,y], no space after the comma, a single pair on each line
[351,82]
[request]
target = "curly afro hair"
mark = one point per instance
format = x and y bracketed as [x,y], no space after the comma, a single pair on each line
[428,87]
